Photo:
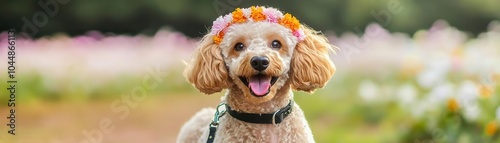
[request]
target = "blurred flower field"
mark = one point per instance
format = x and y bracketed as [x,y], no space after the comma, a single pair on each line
[438,85]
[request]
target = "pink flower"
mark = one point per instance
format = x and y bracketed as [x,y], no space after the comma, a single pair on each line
[228,18]
[299,34]
[219,24]
[272,15]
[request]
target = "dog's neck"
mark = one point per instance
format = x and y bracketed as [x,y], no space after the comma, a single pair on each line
[236,100]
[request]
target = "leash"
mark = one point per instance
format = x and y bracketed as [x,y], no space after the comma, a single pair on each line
[272,118]
[215,122]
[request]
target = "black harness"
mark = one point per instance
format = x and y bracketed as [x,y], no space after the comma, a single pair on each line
[271,118]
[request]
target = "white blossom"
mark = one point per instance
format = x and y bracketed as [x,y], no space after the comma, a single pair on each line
[368,90]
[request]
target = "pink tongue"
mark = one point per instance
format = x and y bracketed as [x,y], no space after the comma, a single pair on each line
[259,85]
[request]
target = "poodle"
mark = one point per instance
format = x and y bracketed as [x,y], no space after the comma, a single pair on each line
[259,55]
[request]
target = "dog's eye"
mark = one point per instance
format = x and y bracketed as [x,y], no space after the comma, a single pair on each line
[276,44]
[239,46]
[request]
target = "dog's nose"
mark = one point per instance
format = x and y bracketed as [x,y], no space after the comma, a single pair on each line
[259,63]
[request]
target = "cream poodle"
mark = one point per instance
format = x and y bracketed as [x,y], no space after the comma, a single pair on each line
[259,55]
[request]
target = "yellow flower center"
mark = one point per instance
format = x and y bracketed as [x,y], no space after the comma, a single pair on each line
[491,128]
[453,105]
[485,91]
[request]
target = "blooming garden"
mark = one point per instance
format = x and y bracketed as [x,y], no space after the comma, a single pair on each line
[437,85]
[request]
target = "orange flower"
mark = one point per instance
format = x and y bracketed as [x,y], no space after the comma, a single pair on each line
[453,105]
[491,128]
[257,14]
[218,38]
[485,91]
[290,21]
[238,16]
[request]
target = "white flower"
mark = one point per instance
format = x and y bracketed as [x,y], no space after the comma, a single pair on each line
[419,108]
[434,73]
[406,94]
[471,113]
[442,92]
[467,92]
[368,90]
[467,98]
[247,12]
[437,97]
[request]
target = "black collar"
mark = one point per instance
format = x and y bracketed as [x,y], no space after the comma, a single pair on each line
[271,118]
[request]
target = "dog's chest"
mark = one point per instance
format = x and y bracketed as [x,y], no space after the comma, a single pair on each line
[257,133]
[233,130]
[274,137]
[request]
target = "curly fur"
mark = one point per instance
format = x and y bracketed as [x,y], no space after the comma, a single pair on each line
[310,63]
[207,70]
[302,66]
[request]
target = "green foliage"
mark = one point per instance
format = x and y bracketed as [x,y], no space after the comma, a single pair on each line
[192,17]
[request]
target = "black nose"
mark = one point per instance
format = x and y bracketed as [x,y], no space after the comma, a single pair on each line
[259,63]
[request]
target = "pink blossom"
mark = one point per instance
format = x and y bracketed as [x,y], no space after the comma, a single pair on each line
[299,34]
[272,15]
[221,23]
[218,25]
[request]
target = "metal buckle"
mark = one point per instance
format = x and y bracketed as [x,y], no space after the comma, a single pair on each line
[274,118]
[218,113]
[215,122]
[281,115]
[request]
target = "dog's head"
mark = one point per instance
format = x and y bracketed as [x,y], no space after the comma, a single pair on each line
[259,50]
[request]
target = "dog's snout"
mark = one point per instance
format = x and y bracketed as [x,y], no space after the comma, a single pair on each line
[259,63]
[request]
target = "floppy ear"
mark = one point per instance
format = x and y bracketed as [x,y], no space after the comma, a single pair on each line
[311,67]
[206,70]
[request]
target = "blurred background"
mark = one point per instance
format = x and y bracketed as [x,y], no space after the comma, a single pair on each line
[407,71]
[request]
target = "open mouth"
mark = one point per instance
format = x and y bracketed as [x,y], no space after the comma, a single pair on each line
[259,84]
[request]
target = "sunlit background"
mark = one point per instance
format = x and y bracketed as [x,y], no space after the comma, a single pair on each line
[407,70]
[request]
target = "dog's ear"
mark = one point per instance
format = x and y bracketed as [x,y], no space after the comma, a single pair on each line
[207,70]
[311,64]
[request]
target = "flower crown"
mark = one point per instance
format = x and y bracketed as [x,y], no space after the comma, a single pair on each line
[256,14]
